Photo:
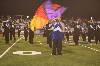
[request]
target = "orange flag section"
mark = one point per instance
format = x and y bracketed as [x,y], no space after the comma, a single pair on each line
[40,19]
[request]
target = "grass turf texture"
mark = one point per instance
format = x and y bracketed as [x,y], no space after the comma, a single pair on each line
[72,55]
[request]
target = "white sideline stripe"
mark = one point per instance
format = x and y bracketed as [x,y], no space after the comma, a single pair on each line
[10,48]
[90,48]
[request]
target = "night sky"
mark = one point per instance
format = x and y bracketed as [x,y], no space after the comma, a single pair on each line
[76,8]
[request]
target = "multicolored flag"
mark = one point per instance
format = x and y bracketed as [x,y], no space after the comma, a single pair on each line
[44,13]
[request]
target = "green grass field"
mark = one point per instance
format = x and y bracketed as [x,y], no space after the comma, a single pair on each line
[72,55]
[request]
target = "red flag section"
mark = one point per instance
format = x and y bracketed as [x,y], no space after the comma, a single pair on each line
[55,6]
[40,19]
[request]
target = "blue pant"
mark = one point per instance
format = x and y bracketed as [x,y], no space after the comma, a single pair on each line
[57,47]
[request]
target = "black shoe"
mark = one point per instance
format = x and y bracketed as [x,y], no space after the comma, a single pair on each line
[59,54]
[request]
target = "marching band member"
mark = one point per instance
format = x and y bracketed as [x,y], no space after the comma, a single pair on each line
[57,37]
[97,33]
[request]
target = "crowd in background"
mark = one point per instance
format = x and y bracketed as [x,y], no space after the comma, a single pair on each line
[16,25]
[88,29]
[56,30]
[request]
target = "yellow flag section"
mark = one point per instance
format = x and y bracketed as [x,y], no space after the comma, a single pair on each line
[40,18]
[38,23]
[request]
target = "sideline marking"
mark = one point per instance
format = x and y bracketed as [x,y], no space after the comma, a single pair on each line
[40,43]
[26,52]
[90,48]
[10,48]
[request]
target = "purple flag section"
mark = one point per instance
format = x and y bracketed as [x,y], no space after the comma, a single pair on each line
[48,9]
[60,11]
[52,13]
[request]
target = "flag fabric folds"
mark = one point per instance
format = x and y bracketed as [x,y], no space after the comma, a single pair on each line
[45,12]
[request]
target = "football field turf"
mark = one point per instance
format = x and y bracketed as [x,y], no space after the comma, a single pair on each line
[80,55]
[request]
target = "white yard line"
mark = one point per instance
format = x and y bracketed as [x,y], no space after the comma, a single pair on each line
[10,47]
[30,52]
[93,49]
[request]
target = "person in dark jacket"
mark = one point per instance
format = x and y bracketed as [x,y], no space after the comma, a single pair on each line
[19,30]
[31,36]
[76,34]
[83,33]
[6,33]
[97,33]
[26,33]
[12,32]
[48,34]
[91,30]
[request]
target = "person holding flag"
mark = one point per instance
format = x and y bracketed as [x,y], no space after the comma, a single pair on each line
[50,11]
[45,12]
[57,36]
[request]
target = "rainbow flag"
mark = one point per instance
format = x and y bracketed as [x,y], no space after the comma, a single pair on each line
[44,13]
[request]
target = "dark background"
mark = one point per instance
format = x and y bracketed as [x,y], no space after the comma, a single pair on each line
[76,8]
